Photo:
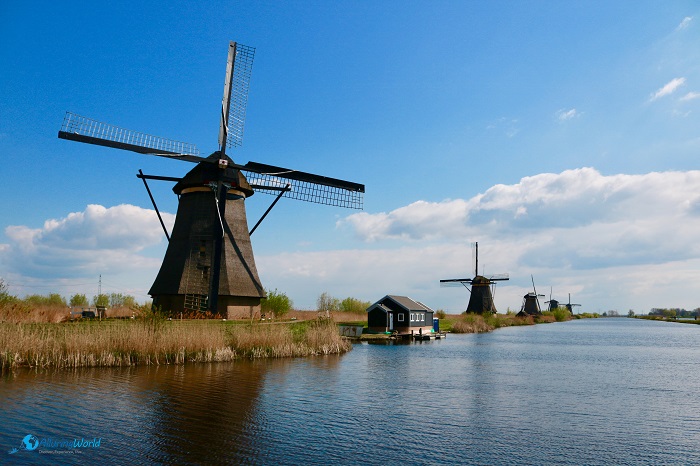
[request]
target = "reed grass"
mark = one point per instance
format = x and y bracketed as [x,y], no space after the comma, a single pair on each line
[476,323]
[157,341]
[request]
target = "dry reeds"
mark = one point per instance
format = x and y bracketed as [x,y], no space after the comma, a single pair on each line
[475,323]
[153,341]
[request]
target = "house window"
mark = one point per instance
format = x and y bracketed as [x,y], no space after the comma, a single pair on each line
[411,317]
[422,317]
[401,317]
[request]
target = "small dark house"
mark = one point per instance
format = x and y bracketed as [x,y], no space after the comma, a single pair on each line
[399,314]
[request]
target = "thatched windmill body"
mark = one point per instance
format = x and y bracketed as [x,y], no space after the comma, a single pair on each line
[481,288]
[209,263]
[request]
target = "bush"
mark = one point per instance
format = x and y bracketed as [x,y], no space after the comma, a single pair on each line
[100,300]
[51,300]
[278,304]
[440,314]
[79,300]
[354,305]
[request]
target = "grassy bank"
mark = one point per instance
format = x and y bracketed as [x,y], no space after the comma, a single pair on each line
[475,323]
[158,341]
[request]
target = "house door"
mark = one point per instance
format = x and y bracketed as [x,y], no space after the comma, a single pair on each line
[391,321]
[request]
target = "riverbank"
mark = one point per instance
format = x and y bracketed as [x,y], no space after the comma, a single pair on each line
[154,341]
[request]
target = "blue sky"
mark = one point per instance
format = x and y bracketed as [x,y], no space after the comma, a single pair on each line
[562,136]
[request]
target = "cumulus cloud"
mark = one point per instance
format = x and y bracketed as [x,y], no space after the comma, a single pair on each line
[669,88]
[597,220]
[82,243]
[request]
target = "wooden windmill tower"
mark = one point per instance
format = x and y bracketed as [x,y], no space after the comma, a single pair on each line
[209,262]
[482,288]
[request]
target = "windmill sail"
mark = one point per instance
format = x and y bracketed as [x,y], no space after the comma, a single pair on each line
[235,101]
[83,129]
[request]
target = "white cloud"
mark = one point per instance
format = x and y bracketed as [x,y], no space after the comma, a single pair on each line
[564,114]
[668,88]
[685,23]
[690,96]
[99,239]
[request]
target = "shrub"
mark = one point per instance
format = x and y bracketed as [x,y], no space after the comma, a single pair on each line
[354,305]
[278,304]
[79,300]
[100,300]
[440,314]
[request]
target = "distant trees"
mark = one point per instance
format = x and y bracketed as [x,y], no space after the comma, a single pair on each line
[53,299]
[630,313]
[79,300]
[100,300]
[354,305]
[673,312]
[325,304]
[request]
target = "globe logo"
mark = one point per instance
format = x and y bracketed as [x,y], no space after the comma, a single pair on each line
[30,442]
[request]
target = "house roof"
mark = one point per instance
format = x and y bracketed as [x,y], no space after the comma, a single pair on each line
[403,302]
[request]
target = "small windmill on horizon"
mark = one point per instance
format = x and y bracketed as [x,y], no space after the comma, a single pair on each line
[209,263]
[482,288]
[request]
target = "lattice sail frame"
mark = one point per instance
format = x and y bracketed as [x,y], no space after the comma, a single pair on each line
[270,183]
[97,131]
[243,67]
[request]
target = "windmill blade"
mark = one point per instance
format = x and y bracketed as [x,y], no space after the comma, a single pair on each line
[451,282]
[498,277]
[84,129]
[235,100]
[304,186]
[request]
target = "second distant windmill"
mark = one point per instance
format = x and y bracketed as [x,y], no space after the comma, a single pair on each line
[481,288]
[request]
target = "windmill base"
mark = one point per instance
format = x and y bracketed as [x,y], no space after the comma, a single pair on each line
[230,307]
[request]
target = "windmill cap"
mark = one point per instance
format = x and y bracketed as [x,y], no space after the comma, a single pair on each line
[205,172]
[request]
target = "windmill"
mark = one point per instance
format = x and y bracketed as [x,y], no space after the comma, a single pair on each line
[482,288]
[209,262]
[570,306]
[553,303]
[531,302]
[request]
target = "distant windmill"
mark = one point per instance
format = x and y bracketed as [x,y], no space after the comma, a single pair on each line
[209,263]
[570,306]
[531,302]
[481,292]
[553,303]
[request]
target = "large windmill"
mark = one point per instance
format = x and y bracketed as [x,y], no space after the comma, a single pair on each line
[482,288]
[209,263]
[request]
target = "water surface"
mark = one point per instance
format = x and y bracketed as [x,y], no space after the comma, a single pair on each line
[605,391]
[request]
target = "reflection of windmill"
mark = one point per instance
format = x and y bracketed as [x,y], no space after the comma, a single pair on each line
[531,302]
[209,262]
[482,288]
